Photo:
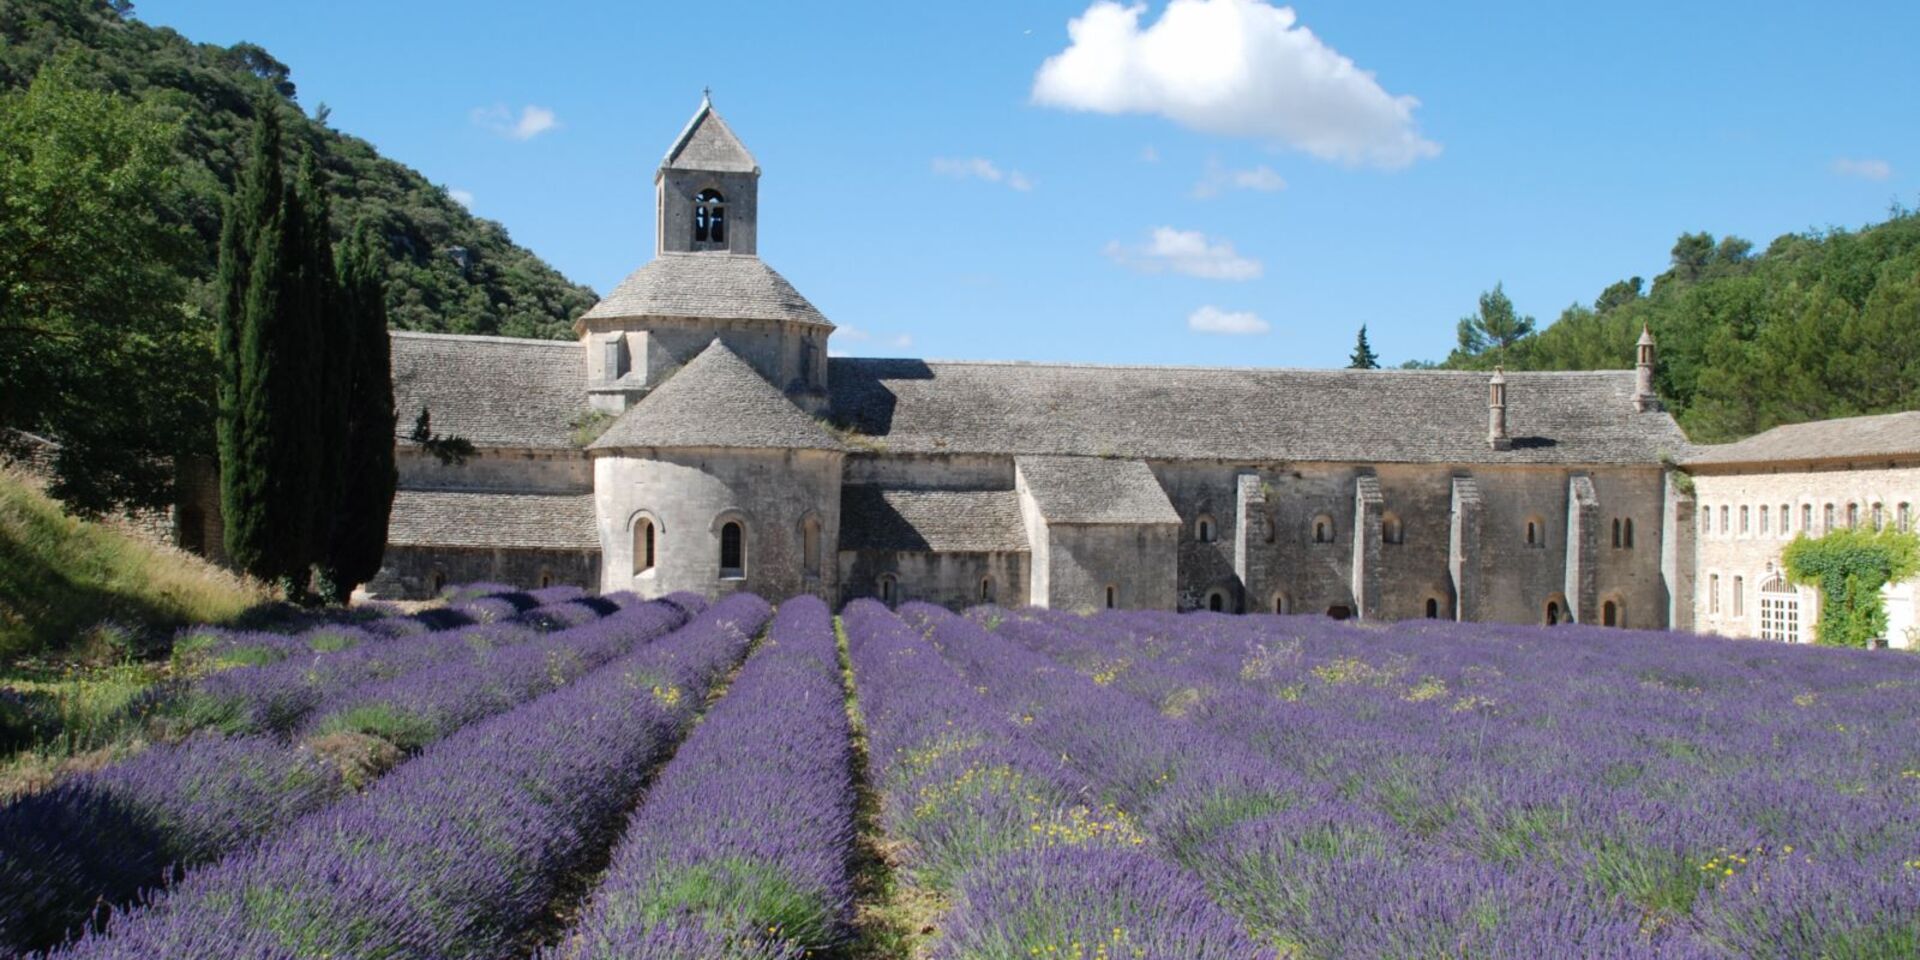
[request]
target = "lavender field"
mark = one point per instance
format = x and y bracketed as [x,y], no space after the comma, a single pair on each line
[557,776]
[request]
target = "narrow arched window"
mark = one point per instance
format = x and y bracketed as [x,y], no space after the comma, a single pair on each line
[1392,530]
[1629,527]
[1713,593]
[1433,609]
[709,217]
[1806,518]
[733,550]
[1786,519]
[1616,533]
[986,589]
[1203,529]
[1323,529]
[436,582]
[1905,517]
[1553,612]
[1853,516]
[1533,533]
[1216,601]
[1763,519]
[1609,614]
[1879,516]
[1706,520]
[546,579]
[643,546]
[1826,518]
[1726,522]
[889,589]
[1280,603]
[1744,529]
[1113,597]
[1739,596]
[810,559]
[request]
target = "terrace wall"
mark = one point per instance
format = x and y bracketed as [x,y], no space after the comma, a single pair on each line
[409,573]
[952,580]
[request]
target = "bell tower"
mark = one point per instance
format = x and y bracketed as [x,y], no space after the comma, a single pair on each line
[707,190]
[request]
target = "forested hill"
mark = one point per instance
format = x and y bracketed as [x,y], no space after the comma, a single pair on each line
[450,271]
[1819,325]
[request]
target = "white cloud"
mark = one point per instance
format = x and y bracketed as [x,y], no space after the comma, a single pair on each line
[1219,179]
[980,168]
[1241,68]
[461,197]
[530,122]
[1864,169]
[1185,251]
[1229,322]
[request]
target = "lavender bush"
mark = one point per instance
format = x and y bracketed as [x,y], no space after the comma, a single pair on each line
[459,852]
[1033,867]
[747,835]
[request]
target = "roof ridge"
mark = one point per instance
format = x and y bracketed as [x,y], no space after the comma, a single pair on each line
[1204,368]
[483,338]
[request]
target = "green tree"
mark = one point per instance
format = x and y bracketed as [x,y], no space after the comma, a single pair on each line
[1363,357]
[276,281]
[1618,294]
[1850,567]
[1490,335]
[97,349]
[358,534]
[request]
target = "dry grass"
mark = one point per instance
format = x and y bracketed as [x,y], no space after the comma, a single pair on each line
[61,576]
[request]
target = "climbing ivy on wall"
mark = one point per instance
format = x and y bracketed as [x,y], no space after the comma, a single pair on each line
[1850,567]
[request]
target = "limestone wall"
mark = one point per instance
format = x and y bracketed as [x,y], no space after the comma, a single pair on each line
[1728,550]
[689,494]
[792,356]
[410,573]
[954,580]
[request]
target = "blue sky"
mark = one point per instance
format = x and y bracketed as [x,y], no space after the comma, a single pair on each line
[1208,182]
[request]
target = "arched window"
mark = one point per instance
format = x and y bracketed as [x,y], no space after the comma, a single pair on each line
[1536,532]
[1744,529]
[1763,519]
[1433,608]
[1806,518]
[1826,519]
[1779,610]
[733,550]
[1905,517]
[1203,528]
[1713,593]
[1391,530]
[1786,519]
[1113,596]
[436,582]
[1726,521]
[546,579]
[986,589]
[1879,516]
[1280,604]
[710,217]
[644,545]
[1616,533]
[1629,525]
[1739,596]
[1216,601]
[1706,519]
[1853,516]
[1553,613]
[810,546]
[1323,529]
[889,589]
[1609,614]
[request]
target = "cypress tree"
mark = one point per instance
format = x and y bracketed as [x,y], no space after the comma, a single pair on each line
[250,228]
[359,532]
[325,360]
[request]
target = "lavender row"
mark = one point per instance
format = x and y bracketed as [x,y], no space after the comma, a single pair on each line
[102,838]
[418,707]
[1033,868]
[1698,786]
[1290,857]
[461,851]
[742,846]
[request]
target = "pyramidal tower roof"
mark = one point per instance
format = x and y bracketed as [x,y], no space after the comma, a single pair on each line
[716,400]
[708,143]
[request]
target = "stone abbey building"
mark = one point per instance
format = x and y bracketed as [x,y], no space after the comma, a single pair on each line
[698,436]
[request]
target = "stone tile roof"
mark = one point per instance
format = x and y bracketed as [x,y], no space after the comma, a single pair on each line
[530,521]
[944,521]
[718,285]
[707,143]
[494,391]
[1227,413]
[1863,438]
[1095,490]
[716,400]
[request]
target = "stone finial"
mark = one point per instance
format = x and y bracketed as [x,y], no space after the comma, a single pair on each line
[1497,411]
[1644,399]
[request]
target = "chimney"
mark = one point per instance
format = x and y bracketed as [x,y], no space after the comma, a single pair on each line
[1644,399]
[1497,411]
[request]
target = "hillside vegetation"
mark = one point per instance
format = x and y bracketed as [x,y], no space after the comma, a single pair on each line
[61,577]
[450,271]
[1820,324]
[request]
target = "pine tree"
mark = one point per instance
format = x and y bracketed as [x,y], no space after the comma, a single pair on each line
[359,532]
[1363,357]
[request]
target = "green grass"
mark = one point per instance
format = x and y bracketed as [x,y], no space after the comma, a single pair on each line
[60,577]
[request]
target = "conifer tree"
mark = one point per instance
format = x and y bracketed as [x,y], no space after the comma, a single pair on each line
[249,238]
[359,531]
[1363,357]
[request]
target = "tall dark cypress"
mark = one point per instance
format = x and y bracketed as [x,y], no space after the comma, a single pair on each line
[359,534]
[326,363]
[252,226]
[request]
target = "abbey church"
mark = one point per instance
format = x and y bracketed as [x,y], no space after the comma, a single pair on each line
[699,436]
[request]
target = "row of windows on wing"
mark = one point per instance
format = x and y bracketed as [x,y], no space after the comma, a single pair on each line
[1781,523]
[1395,532]
[1779,604]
